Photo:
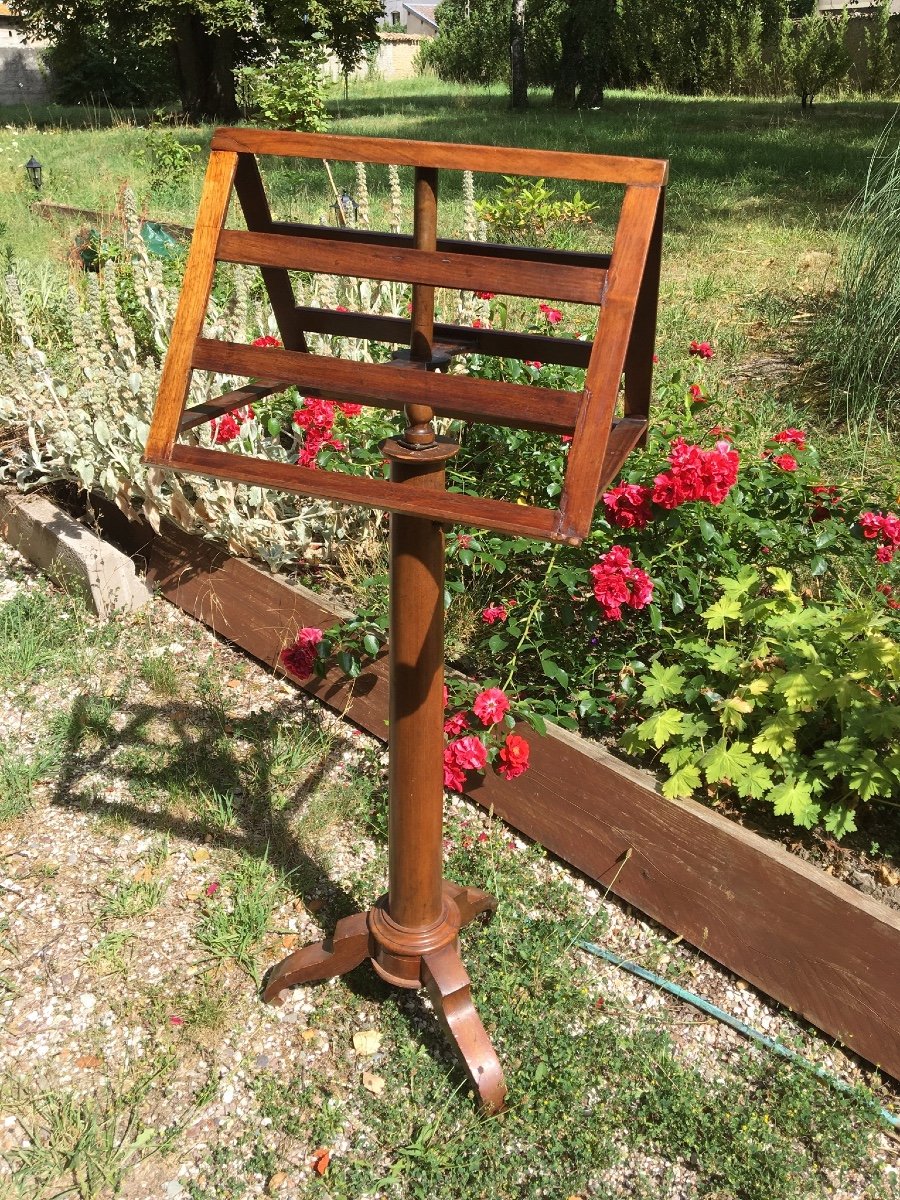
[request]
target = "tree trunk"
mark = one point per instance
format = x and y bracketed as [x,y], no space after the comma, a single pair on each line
[518,72]
[569,62]
[205,66]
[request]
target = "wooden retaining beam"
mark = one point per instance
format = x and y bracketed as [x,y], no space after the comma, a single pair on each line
[813,943]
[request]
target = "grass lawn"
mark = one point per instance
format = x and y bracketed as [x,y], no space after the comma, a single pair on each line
[175,819]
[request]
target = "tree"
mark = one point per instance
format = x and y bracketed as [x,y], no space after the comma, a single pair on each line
[817,56]
[208,39]
[882,55]
[518,88]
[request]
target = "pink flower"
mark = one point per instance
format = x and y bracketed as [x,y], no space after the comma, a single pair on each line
[493,613]
[786,462]
[212,888]
[870,524]
[485,295]
[464,540]
[695,391]
[553,315]
[226,429]
[885,554]
[514,754]
[454,725]
[491,706]
[300,658]
[267,342]
[173,1020]
[445,695]
[618,583]
[701,350]
[792,437]
[696,474]
[469,753]
[530,362]
[341,308]
[350,410]
[478,324]
[628,506]
[454,775]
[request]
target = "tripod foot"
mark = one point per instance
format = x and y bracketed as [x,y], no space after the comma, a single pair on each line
[449,987]
[336,955]
[471,902]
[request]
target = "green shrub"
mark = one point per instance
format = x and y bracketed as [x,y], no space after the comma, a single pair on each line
[289,92]
[857,336]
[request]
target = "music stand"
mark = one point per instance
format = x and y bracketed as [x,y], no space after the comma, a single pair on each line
[411,933]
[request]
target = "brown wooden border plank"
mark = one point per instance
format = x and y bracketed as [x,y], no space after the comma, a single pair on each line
[805,939]
[486,272]
[454,156]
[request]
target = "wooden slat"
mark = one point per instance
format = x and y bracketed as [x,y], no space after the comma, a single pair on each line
[521,520]
[568,352]
[252,197]
[810,942]
[192,304]
[604,373]
[385,386]
[485,272]
[201,413]
[639,358]
[545,255]
[504,160]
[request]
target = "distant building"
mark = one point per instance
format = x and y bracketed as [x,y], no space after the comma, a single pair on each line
[860,8]
[416,18]
[22,81]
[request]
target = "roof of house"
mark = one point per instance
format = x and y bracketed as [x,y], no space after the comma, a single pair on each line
[5,10]
[425,12]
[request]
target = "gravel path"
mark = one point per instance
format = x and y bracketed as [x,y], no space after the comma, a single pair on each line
[108,1000]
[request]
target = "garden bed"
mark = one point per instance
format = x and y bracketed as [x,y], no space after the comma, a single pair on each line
[801,936]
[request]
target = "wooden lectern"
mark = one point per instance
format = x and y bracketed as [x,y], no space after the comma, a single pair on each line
[411,933]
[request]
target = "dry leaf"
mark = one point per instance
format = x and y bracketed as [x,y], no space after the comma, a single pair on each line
[88,1060]
[276,1181]
[886,875]
[367,1041]
[200,855]
[321,1159]
[313,906]
[142,875]
[233,683]
[373,1083]
[309,1034]
[193,894]
[289,940]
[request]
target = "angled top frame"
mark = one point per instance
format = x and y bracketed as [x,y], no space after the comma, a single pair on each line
[622,285]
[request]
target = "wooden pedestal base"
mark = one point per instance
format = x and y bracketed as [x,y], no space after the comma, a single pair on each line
[411,958]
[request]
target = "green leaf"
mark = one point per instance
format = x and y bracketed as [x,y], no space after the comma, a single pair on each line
[870,778]
[496,643]
[837,758]
[732,712]
[682,784]
[660,727]
[794,798]
[726,608]
[801,688]
[840,820]
[723,659]
[754,782]
[778,735]
[708,532]
[371,644]
[726,761]
[661,682]
[677,603]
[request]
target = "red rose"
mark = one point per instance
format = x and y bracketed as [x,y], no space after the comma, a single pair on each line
[514,754]
[491,706]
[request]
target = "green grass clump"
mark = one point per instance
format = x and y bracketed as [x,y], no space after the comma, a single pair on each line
[857,337]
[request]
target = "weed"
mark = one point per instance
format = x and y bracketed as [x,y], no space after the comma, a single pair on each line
[133,898]
[18,776]
[109,956]
[161,673]
[236,919]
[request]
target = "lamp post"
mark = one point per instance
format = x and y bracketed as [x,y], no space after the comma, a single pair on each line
[35,172]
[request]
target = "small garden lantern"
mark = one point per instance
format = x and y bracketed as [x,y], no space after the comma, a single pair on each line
[347,206]
[35,172]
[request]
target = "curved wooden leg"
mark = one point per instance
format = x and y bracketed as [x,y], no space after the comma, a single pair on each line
[448,984]
[336,955]
[472,902]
